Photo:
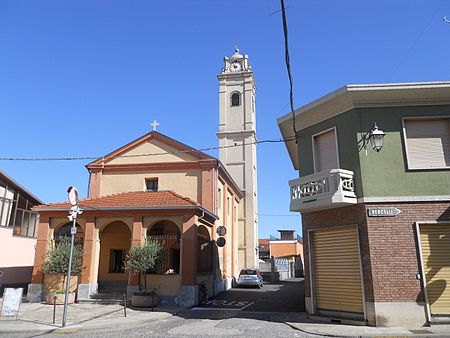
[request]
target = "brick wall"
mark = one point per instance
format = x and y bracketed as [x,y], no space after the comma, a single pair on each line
[389,247]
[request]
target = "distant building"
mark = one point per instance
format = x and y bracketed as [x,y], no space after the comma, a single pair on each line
[287,246]
[18,232]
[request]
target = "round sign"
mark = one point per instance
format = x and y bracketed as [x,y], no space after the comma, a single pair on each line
[221,242]
[221,230]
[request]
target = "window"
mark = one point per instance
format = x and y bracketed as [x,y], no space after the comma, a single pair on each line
[204,250]
[116,258]
[151,184]
[228,206]
[235,99]
[325,150]
[6,202]
[427,143]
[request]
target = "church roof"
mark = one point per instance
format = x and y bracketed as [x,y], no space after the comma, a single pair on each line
[127,200]
[181,147]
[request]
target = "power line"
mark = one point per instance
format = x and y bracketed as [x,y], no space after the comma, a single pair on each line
[278,215]
[408,52]
[78,158]
[288,64]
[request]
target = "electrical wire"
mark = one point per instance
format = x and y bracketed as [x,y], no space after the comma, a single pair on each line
[75,158]
[288,65]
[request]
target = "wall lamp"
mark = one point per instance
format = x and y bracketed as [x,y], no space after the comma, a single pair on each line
[375,136]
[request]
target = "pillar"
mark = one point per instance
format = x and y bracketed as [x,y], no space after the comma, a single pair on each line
[137,238]
[42,245]
[188,295]
[88,279]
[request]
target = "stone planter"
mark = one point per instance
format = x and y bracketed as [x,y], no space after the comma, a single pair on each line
[144,301]
[56,281]
[60,298]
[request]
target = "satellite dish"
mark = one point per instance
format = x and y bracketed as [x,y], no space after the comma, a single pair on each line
[73,195]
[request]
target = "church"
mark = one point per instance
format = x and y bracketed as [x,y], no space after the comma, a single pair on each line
[157,188]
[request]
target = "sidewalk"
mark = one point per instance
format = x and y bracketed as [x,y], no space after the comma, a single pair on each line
[38,317]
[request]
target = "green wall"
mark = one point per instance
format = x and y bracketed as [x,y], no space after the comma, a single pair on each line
[384,173]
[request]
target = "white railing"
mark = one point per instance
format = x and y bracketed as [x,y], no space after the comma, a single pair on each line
[326,189]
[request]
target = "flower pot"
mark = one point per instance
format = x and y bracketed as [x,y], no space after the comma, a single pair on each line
[60,298]
[144,301]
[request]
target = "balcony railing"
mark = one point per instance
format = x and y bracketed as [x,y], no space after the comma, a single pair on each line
[324,190]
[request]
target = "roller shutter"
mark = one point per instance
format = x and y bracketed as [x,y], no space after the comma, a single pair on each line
[435,243]
[336,268]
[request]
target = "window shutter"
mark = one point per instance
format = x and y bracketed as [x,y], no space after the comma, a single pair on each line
[428,143]
[325,151]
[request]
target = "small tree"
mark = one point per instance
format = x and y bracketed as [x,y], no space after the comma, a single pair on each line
[57,258]
[144,258]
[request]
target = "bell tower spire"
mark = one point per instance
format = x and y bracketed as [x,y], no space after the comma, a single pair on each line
[237,142]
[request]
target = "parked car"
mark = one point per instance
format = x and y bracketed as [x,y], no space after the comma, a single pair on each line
[250,277]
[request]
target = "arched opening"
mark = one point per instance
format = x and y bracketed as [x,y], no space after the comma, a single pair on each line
[235,99]
[65,232]
[167,234]
[204,250]
[115,241]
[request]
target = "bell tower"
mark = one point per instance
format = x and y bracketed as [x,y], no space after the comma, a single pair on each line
[237,142]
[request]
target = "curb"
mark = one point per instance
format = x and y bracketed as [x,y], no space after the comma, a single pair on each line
[89,328]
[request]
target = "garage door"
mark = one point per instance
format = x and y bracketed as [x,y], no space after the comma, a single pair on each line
[337,274]
[435,242]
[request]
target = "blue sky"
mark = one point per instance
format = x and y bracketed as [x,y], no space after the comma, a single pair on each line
[82,78]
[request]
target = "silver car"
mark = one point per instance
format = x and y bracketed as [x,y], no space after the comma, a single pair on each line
[250,277]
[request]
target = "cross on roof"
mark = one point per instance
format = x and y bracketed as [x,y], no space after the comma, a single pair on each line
[154,124]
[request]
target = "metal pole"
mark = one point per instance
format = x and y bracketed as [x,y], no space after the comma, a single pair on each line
[73,231]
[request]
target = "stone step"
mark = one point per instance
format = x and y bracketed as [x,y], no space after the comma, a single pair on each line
[101,301]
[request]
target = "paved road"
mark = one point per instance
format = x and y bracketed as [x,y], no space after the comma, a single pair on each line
[284,296]
[263,314]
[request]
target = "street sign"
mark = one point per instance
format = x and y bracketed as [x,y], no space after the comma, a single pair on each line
[221,230]
[383,212]
[221,242]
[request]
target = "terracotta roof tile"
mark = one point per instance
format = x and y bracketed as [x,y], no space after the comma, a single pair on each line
[128,199]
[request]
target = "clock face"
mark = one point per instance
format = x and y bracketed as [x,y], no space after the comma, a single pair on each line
[235,66]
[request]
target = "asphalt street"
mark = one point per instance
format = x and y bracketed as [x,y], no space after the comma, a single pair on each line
[263,314]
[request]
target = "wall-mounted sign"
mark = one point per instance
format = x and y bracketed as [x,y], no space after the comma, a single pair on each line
[383,212]
[221,230]
[221,242]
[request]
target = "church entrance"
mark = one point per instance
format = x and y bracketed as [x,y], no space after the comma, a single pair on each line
[115,241]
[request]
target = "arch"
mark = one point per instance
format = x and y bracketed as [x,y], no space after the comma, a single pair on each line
[115,242]
[64,231]
[235,99]
[204,249]
[167,234]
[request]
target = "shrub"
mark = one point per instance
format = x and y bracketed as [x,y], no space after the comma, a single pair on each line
[57,258]
[144,258]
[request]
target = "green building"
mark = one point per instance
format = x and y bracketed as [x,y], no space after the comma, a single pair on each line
[376,224]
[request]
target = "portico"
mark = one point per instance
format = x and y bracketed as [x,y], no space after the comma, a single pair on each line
[110,225]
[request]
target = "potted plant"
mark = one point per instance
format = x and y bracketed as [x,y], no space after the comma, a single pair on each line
[55,268]
[141,259]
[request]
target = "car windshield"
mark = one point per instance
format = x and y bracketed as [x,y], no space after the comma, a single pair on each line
[248,272]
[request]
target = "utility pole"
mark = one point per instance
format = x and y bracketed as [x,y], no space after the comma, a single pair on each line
[73,213]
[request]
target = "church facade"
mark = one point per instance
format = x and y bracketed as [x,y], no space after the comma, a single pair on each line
[156,188]
[134,196]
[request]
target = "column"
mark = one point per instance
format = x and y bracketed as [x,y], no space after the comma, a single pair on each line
[42,245]
[137,238]
[189,290]
[88,281]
